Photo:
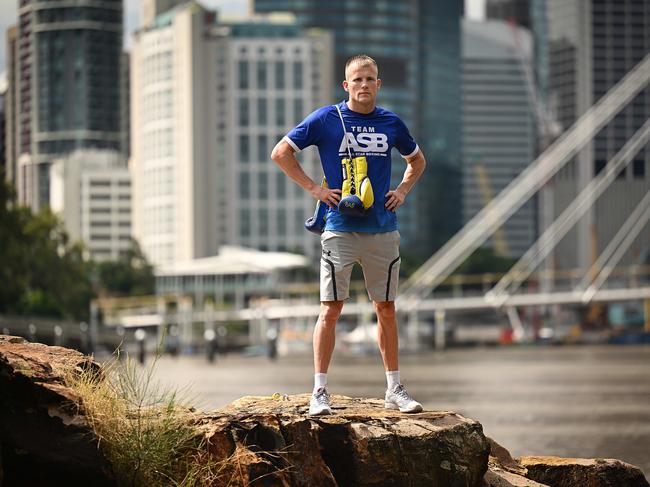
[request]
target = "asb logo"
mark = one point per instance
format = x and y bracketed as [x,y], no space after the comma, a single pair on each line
[365,142]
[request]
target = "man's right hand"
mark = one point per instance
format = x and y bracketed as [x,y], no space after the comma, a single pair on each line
[330,197]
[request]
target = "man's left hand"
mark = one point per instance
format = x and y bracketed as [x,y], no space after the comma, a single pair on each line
[395,199]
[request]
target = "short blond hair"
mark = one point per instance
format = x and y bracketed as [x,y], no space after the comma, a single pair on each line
[361,60]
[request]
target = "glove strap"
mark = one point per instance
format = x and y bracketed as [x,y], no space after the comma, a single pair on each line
[345,134]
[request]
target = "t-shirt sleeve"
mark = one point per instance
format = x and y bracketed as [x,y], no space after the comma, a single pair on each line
[307,133]
[404,142]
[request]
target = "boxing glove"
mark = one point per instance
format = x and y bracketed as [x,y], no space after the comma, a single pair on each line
[356,194]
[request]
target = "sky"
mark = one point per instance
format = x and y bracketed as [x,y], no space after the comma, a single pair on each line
[9,13]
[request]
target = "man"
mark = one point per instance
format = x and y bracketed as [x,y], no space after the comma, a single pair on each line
[371,239]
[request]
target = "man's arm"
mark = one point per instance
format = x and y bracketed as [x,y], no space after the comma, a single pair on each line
[414,168]
[283,155]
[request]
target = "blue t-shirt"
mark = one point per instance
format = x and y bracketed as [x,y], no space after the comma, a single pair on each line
[372,135]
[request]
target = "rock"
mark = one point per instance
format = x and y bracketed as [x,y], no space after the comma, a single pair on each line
[496,477]
[360,444]
[582,472]
[500,458]
[256,438]
[45,440]
[505,471]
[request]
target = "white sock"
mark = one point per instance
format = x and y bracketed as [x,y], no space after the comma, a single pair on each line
[392,377]
[320,380]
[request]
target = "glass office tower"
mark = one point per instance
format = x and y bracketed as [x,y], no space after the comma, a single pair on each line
[592,44]
[417,46]
[68,67]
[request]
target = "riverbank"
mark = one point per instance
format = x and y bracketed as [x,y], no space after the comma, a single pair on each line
[587,401]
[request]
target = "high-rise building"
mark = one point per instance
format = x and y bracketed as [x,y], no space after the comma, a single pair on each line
[91,191]
[66,80]
[417,46]
[125,105]
[209,101]
[592,45]
[11,108]
[510,10]
[499,136]
[3,115]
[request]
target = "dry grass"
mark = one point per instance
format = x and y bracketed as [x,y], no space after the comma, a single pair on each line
[150,435]
[144,430]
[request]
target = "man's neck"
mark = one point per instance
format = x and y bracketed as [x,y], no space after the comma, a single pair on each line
[364,108]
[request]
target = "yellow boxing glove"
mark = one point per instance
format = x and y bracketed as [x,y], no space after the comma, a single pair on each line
[357,196]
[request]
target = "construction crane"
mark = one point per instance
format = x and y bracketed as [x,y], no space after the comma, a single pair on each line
[485,188]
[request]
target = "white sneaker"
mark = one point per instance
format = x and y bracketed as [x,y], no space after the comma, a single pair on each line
[320,403]
[398,398]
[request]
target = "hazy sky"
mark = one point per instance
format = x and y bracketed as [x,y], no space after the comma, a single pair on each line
[9,9]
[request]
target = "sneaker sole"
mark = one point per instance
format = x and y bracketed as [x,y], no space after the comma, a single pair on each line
[390,405]
[324,412]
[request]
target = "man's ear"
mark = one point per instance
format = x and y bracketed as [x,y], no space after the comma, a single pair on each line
[345,84]
[378,83]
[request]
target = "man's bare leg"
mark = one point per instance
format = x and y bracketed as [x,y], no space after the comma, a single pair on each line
[396,395]
[324,339]
[325,334]
[387,334]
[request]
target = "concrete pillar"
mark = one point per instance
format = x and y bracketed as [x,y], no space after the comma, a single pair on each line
[413,326]
[440,329]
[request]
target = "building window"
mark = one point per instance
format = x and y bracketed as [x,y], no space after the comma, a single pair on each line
[244,185]
[244,149]
[263,186]
[243,112]
[280,118]
[279,75]
[262,148]
[281,185]
[243,75]
[281,224]
[262,118]
[261,75]
[244,222]
[297,75]
[638,168]
[100,184]
[264,222]
[298,109]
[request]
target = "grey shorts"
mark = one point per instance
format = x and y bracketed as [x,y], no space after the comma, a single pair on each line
[378,254]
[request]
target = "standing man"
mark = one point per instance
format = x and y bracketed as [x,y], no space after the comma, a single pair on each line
[370,238]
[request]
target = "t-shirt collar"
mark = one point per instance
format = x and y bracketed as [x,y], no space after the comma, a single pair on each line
[345,108]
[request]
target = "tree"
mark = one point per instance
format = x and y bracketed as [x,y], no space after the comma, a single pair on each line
[42,272]
[483,260]
[130,275]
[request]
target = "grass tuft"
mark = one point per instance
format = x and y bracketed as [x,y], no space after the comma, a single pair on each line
[145,430]
[150,434]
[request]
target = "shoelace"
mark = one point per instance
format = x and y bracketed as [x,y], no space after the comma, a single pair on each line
[400,391]
[322,397]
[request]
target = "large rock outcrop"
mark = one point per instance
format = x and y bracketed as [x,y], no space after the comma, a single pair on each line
[590,472]
[46,440]
[360,444]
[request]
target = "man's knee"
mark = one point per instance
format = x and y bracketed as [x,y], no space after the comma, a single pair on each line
[330,312]
[385,309]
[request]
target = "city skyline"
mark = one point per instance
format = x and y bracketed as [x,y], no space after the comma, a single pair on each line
[474,9]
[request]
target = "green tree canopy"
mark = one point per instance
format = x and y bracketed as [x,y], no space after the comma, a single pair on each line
[42,272]
[130,275]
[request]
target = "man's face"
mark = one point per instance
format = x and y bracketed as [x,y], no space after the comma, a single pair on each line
[361,83]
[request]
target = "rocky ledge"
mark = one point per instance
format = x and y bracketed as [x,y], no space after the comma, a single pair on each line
[45,439]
